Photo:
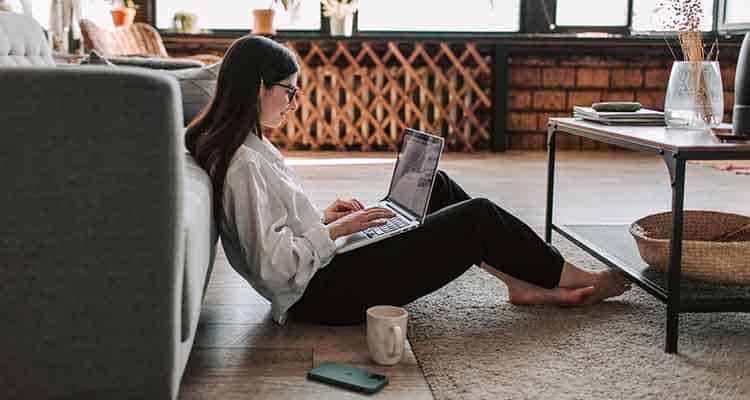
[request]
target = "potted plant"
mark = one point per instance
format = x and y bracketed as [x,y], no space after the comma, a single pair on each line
[124,15]
[341,15]
[185,22]
[263,18]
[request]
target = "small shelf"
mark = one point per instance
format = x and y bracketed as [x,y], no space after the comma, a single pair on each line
[614,246]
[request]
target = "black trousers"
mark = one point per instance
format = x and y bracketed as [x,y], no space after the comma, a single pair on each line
[458,232]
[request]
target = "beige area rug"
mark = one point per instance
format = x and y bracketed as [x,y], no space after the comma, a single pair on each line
[471,344]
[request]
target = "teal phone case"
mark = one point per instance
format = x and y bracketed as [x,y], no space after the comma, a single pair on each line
[348,377]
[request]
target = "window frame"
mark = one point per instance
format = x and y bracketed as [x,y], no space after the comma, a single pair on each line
[720,24]
[530,24]
[611,29]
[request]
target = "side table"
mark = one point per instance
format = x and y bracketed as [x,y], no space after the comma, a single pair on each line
[614,246]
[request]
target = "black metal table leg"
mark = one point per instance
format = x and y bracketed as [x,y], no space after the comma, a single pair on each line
[550,182]
[676,168]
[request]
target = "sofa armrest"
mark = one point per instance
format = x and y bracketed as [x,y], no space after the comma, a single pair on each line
[90,284]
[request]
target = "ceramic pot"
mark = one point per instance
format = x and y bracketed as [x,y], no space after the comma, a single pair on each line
[123,17]
[263,22]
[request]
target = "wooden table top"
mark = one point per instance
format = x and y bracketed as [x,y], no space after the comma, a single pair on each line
[658,137]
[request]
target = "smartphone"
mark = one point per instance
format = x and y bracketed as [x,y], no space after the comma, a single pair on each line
[348,377]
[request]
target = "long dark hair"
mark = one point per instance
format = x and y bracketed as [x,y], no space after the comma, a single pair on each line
[219,130]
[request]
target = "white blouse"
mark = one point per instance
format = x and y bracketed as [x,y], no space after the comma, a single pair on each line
[271,232]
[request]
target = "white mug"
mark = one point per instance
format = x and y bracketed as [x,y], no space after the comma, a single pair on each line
[386,333]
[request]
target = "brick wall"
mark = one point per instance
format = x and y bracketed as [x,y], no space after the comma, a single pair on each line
[540,87]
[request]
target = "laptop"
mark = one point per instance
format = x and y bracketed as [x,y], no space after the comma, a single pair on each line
[409,191]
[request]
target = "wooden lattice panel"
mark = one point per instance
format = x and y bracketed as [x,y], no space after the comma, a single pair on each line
[361,95]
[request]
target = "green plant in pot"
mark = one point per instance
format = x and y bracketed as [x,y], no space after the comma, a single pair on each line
[185,22]
[124,14]
[263,18]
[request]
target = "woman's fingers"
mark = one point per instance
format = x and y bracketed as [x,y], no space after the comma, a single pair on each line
[340,205]
[358,204]
[376,222]
[377,209]
[353,205]
[363,219]
[348,205]
[339,214]
[378,212]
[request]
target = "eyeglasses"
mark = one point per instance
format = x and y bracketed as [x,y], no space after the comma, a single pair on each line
[291,91]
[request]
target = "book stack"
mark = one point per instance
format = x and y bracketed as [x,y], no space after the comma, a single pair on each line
[643,116]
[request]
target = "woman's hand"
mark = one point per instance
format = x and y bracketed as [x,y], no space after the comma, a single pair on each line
[359,221]
[340,208]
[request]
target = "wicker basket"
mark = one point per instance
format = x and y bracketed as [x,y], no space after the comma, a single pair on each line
[715,245]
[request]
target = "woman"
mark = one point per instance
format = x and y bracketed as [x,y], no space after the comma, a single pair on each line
[284,247]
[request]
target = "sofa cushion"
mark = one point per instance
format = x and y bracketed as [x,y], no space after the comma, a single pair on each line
[198,86]
[200,236]
[22,42]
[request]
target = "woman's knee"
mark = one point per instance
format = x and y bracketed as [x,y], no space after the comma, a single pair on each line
[475,209]
[441,181]
[485,210]
[481,204]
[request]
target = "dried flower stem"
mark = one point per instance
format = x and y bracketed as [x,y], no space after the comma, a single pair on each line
[691,43]
[669,46]
[711,56]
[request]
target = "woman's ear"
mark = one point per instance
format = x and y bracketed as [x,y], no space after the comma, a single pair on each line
[262,89]
[265,90]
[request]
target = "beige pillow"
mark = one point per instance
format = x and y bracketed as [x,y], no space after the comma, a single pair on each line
[198,86]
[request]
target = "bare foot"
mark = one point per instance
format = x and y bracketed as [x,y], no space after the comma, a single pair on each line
[577,287]
[607,284]
[558,296]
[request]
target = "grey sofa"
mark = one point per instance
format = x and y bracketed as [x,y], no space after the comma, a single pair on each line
[106,233]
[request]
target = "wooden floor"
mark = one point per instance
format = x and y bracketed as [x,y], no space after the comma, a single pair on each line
[239,353]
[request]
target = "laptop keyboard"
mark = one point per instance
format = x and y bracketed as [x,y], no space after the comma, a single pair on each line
[393,224]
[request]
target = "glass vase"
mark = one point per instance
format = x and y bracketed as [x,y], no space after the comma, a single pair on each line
[695,95]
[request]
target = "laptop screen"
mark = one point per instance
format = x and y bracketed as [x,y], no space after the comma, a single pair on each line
[415,171]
